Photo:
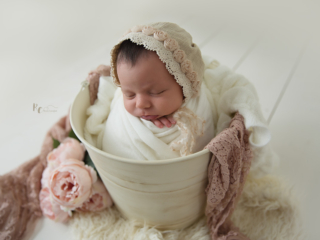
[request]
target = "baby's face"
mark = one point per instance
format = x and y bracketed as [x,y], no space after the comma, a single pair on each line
[149,90]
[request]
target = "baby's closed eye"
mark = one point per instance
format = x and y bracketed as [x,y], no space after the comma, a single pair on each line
[157,92]
[130,95]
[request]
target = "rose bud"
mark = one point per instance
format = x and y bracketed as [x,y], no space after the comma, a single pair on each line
[99,200]
[69,148]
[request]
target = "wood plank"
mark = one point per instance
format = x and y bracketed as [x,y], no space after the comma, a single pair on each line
[268,67]
[229,45]
[296,136]
[203,29]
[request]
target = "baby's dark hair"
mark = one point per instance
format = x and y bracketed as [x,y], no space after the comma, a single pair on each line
[130,52]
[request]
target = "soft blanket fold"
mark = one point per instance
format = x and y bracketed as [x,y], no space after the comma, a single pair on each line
[20,188]
[227,172]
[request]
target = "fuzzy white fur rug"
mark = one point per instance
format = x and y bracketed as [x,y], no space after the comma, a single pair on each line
[267,210]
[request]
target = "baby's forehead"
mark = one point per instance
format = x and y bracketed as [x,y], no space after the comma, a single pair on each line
[150,84]
[148,72]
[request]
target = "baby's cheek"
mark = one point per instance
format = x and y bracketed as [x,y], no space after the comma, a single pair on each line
[168,105]
[129,105]
[176,103]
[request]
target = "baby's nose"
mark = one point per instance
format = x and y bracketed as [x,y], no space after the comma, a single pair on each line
[142,102]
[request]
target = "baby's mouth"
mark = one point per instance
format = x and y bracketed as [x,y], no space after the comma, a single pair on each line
[150,117]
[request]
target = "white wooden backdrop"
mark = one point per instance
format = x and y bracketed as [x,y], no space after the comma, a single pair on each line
[48,47]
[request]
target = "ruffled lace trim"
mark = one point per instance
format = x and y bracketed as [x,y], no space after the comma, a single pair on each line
[190,126]
[169,53]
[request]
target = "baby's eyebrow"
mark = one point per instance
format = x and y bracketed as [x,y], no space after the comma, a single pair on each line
[128,92]
[124,88]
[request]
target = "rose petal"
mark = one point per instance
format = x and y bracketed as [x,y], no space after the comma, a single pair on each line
[137,28]
[186,66]
[148,30]
[51,209]
[45,177]
[179,55]
[70,184]
[171,44]
[69,148]
[99,200]
[192,76]
[92,173]
[160,35]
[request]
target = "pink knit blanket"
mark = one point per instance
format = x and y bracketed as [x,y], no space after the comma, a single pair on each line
[227,172]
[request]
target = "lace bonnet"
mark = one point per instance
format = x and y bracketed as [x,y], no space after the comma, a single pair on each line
[174,47]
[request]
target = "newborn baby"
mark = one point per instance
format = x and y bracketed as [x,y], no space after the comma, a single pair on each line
[169,99]
[160,109]
[156,114]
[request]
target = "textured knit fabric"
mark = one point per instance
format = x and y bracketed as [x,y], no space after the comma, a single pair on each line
[227,172]
[93,79]
[231,92]
[20,188]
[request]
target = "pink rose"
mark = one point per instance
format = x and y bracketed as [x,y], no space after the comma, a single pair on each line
[186,66]
[196,85]
[192,76]
[179,55]
[51,209]
[99,200]
[137,28]
[69,148]
[160,35]
[45,177]
[171,44]
[148,30]
[71,183]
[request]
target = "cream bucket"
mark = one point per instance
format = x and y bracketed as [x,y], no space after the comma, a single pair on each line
[167,194]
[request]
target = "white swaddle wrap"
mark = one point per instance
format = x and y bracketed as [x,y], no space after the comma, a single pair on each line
[131,137]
